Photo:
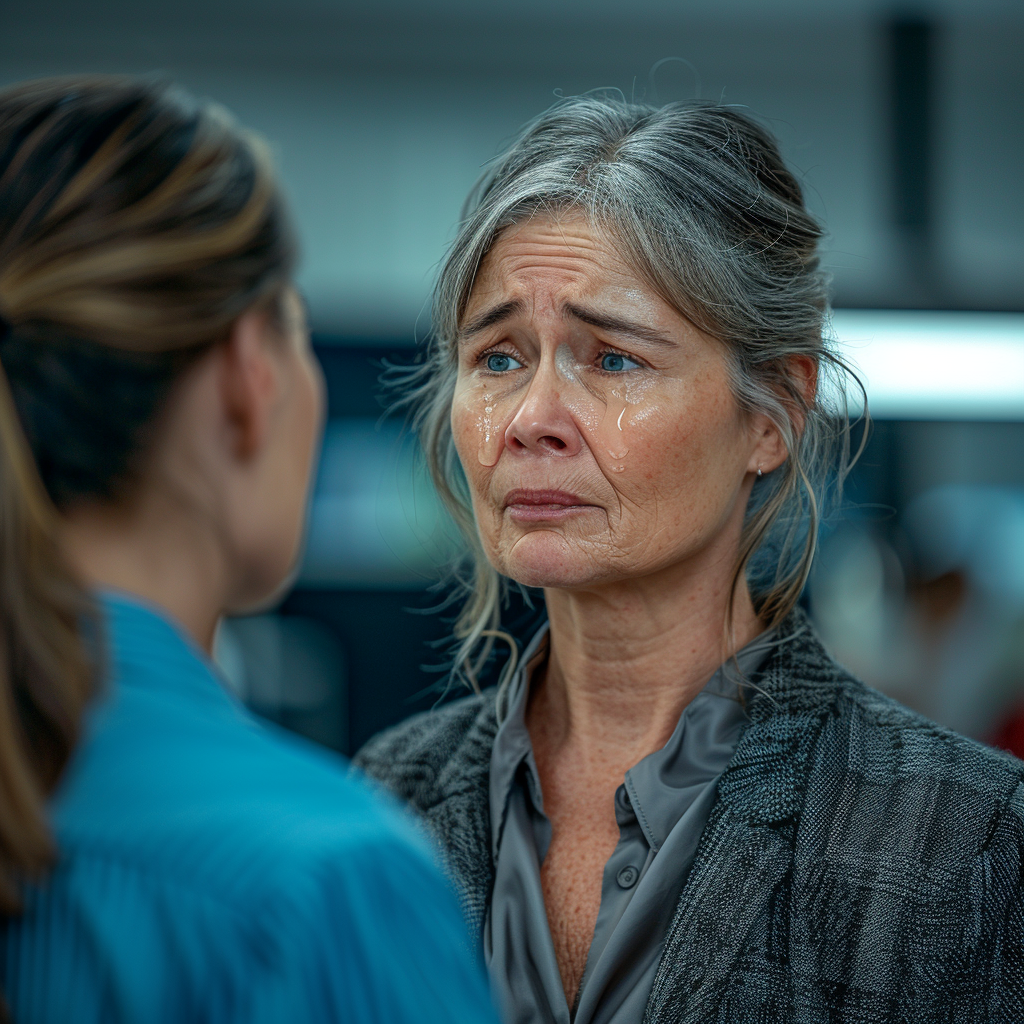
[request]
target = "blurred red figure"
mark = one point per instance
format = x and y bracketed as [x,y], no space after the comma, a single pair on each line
[1010,734]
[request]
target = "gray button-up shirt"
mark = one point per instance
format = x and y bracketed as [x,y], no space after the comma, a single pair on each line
[661,809]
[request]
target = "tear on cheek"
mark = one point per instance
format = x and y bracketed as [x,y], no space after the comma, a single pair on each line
[612,434]
[491,436]
[492,414]
[630,413]
[599,409]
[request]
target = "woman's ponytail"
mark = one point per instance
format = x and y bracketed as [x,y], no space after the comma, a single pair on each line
[136,226]
[46,674]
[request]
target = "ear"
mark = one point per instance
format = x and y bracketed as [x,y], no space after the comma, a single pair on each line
[249,383]
[769,447]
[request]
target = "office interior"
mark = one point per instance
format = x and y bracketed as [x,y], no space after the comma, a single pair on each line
[903,122]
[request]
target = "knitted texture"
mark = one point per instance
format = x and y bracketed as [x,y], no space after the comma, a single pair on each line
[860,864]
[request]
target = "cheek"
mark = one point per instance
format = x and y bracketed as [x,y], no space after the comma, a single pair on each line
[472,435]
[470,438]
[290,478]
[685,449]
[481,412]
[465,431]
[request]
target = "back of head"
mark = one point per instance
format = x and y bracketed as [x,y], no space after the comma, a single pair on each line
[136,226]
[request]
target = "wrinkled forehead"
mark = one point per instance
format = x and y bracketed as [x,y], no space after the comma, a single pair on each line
[568,265]
[564,252]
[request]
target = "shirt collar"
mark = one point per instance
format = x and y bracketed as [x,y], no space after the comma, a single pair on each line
[512,743]
[147,648]
[664,784]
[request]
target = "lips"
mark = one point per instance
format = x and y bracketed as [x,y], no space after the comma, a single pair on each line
[554,500]
[524,506]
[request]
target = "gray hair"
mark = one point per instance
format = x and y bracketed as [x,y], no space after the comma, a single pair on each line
[705,210]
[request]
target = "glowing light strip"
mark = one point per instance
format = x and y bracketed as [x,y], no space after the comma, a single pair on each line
[941,366]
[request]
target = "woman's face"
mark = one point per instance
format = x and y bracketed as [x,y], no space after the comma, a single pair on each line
[596,425]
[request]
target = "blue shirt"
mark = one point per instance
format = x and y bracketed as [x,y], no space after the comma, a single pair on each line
[214,869]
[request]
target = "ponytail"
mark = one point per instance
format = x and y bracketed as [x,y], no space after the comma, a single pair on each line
[136,226]
[46,675]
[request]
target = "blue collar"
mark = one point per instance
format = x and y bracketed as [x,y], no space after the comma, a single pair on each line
[147,648]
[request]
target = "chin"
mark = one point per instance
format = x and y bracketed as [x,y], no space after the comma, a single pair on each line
[546,559]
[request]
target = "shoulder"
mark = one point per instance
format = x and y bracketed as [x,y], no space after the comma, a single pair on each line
[881,739]
[251,864]
[412,759]
[212,790]
[942,796]
[865,771]
[901,820]
[439,765]
[313,902]
[315,807]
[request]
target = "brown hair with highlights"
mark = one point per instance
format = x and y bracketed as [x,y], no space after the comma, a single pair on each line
[136,226]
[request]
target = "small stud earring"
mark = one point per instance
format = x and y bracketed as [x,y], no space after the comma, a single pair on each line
[759,473]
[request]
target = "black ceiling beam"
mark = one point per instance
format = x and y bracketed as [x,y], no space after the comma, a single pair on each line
[911,58]
[912,73]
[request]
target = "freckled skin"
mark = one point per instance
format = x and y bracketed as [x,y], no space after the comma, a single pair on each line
[688,445]
[662,461]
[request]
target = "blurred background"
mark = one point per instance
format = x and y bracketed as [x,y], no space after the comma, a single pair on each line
[904,123]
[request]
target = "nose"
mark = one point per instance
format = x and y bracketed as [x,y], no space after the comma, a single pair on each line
[542,424]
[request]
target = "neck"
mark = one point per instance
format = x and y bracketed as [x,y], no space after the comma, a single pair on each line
[167,559]
[625,661]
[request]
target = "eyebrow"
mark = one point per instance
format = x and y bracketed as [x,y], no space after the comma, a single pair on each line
[616,325]
[602,321]
[495,315]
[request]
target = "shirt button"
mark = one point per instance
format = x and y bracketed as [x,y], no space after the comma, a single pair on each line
[627,877]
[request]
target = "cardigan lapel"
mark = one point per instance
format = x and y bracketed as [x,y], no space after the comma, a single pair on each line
[461,820]
[721,902]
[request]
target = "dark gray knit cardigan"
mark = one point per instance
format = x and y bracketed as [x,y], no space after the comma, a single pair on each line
[860,863]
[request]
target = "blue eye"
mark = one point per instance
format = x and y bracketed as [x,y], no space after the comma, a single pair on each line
[499,362]
[613,362]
